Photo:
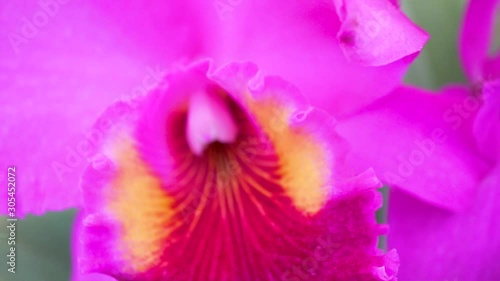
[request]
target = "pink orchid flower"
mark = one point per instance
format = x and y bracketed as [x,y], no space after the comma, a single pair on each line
[445,171]
[217,170]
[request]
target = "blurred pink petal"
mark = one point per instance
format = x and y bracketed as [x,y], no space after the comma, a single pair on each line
[475,37]
[268,206]
[420,142]
[64,72]
[377,32]
[487,122]
[435,244]
[492,68]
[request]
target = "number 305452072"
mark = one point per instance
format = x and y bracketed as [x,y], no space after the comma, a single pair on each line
[11,191]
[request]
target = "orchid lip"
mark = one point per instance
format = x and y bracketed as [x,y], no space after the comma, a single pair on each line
[239,183]
[209,120]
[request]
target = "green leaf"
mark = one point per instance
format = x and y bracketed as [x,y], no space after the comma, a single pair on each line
[42,248]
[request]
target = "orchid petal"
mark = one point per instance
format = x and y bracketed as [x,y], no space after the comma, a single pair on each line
[492,68]
[475,37]
[435,244]
[487,122]
[432,152]
[377,32]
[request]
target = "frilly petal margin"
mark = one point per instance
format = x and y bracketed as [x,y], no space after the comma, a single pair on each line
[297,40]
[76,250]
[62,62]
[269,206]
[435,244]
[475,38]
[377,32]
[428,134]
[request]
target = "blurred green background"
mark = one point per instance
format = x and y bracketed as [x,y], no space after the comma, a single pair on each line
[43,248]
[43,243]
[438,63]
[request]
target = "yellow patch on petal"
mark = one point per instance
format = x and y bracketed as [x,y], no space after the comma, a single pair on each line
[304,167]
[144,208]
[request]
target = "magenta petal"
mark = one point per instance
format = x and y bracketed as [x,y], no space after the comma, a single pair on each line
[434,244]
[297,40]
[420,142]
[475,37]
[57,76]
[377,32]
[492,68]
[487,123]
